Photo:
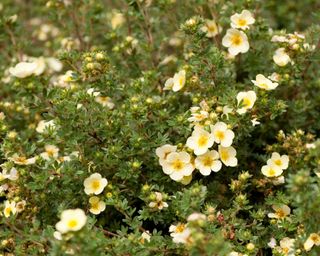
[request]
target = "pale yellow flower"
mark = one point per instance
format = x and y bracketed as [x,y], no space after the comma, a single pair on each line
[163,151]
[264,83]
[94,184]
[281,161]
[222,134]
[9,208]
[281,58]
[211,28]
[200,141]
[105,101]
[96,205]
[280,211]
[23,69]
[51,152]
[236,41]
[228,156]
[178,165]
[242,20]
[22,160]
[271,171]
[208,162]
[313,239]
[158,204]
[180,233]
[71,220]
[246,101]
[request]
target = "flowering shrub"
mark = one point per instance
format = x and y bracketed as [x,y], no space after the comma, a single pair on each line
[164,127]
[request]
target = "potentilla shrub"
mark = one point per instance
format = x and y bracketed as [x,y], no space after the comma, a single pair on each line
[166,127]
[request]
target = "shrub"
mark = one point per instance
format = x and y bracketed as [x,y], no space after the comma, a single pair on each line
[164,127]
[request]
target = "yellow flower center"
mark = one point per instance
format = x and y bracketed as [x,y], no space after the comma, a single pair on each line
[236,40]
[8,211]
[207,161]
[278,162]
[50,152]
[95,206]
[181,79]
[224,155]
[177,165]
[242,22]
[285,250]
[180,228]
[280,213]
[72,223]
[219,135]
[212,28]
[95,184]
[272,172]
[202,141]
[246,102]
[315,238]
[263,85]
[21,159]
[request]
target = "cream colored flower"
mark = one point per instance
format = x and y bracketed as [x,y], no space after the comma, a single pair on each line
[222,134]
[287,246]
[9,208]
[242,20]
[246,100]
[226,111]
[163,151]
[313,239]
[22,160]
[117,19]
[94,184]
[20,206]
[211,28]
[271,171]
[105,101]
[41,65]
[228,156]
[54,64]
[200,141]
[236,41]
[197,115]
[278,180]
[281,58]
[196,216]
[281,161]
[71,220]
[179,80]
[280,211]
[145,236]
[180,233]
[43,126]
[96,205]
[158,204]
[264,83]
[255,122]
[12,175]
[178,165]
[92,92]
[208,162]
[57,235]
[51,152]
[168,84]
[23,69]
[275,77]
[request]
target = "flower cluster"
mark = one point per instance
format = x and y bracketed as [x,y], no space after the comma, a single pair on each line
[236,40]
[180,165]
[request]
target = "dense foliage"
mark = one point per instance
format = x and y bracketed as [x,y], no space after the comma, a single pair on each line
[159,127]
